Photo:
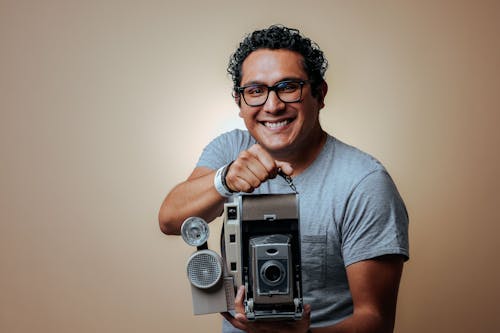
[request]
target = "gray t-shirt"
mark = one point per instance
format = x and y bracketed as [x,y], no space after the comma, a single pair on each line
[350,210]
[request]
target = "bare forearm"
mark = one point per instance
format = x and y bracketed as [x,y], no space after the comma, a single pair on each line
[194,197]
[360,323]
[374,288]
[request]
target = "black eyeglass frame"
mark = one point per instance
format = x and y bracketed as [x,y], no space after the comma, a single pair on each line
[275,87]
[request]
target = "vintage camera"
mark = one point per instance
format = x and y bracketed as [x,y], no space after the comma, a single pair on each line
[260,245]
[262,252]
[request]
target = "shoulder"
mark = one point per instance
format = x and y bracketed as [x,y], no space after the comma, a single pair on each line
[225,148]
[233,141]
[350,165]
[354,158]
[236,137]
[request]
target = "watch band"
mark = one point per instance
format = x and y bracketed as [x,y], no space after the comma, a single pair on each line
[220,181]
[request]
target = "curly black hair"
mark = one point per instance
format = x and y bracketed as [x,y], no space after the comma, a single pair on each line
[280,37]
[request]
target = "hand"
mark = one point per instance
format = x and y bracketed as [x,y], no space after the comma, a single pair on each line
[241,322]
[253,167]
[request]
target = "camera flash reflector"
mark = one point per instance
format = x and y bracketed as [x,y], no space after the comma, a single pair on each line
[204,269]
[195,231]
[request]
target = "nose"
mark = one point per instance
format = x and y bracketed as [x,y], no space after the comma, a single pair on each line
[273,103]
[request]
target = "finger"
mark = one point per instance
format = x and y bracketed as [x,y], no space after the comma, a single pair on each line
[240,179]
[259,171]
[307,312]
[307,308]
[227,315]
[285,167]
[239,184]
[234,321]
[265,159]
[239,320]
[306,316]
[239,307]
[246,173]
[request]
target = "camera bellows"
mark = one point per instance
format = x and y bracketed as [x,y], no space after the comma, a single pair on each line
[204,269]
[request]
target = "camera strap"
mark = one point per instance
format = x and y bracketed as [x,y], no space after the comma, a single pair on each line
[289,180]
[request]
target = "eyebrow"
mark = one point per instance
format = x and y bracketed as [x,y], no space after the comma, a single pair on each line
[260,83]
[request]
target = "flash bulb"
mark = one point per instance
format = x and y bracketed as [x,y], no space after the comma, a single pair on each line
[195,231]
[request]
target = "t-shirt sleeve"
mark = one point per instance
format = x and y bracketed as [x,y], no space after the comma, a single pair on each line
[376,220]
[224,149]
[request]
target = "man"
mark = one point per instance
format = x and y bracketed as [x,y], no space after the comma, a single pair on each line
[354,225]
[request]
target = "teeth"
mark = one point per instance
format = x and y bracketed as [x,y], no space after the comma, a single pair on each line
[276,125]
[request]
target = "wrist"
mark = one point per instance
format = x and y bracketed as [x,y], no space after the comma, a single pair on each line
[220,181]
[223,177]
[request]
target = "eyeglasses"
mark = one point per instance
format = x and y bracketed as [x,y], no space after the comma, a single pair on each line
[289,91]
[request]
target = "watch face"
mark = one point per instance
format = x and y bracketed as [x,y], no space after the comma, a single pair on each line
[195,231]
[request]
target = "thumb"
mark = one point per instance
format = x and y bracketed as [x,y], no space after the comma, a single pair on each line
[306,315]
[285,167]
[238,301]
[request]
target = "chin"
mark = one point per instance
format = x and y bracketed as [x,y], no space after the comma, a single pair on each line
[276,147]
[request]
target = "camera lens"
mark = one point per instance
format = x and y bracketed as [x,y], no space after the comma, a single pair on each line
[272,272]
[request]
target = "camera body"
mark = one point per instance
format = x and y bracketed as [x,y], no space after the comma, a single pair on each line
[261,249]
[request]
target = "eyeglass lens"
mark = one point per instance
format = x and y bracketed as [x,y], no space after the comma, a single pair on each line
[287,91]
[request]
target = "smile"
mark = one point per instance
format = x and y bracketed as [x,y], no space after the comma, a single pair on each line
[276,125]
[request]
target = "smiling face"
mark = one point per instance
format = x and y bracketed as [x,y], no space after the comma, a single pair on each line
[283,129]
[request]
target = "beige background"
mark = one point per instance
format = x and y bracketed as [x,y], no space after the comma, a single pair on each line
[106,105]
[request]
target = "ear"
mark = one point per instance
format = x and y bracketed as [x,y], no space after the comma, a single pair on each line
[322,90]
[237,98]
